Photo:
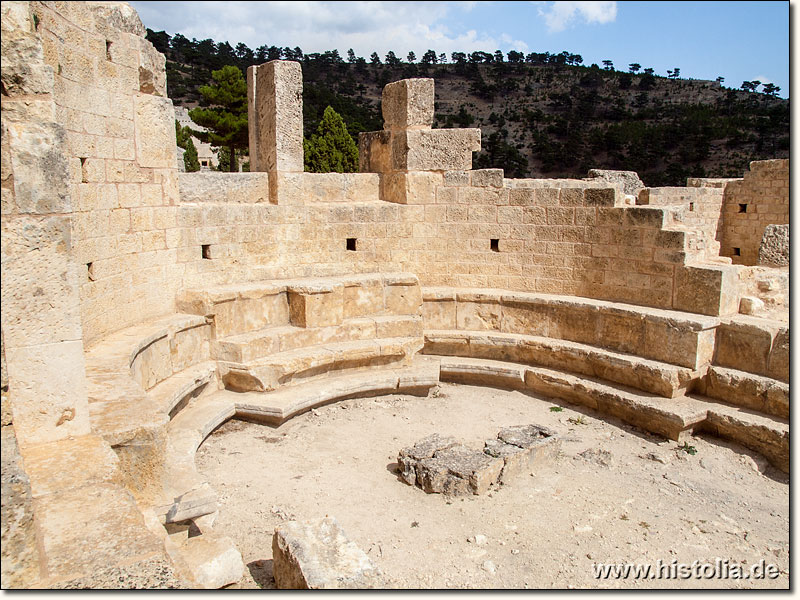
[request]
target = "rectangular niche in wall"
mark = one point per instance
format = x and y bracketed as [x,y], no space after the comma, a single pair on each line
[743,208]
[351,244]
[737,251]
[494,245]
[206,251]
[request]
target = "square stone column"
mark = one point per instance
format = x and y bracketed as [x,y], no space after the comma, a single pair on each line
[275,116]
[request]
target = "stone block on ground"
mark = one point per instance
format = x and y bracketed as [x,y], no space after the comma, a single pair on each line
[523,448]
[316,554]
[440,465]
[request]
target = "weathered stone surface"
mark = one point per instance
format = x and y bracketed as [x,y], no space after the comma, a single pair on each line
[275,114]
[440,465]
[774,249]
[155,573]
[523,448]
[628,180]
[213,561]
[408,104]
[408,458]
[154,139]
[317,555]
[20,564]
[215,187]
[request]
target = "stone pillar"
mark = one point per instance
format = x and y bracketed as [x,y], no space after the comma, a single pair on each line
[275,115]
[41,317]
[411,156]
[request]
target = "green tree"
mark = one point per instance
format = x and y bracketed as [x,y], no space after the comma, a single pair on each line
[226,117]
[331,149]
[190,160]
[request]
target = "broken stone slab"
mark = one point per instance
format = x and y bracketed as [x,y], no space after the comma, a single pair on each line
[424,448]
[523,448]
[440,465]
[316,554]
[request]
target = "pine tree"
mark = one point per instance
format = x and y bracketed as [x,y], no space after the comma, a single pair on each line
[190,160]
[226,118]
[331,149]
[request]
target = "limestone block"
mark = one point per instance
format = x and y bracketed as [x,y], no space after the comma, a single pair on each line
[435,149]
[316,306]
[239,188]
[189,347]
[154,131]
[84,530]
[317,554]
[523,448]
[250,314]
[458,471]
[114,17]
[439,314]
[312,188]
[408,104]
[153,363]
[403,298]
[774,249]
[374,152]
[708,290]
[23,70]
[410,188]
[363,299]
[487,177]
[40,169]
[629,180]
[49,400]
[673,343]
[152,74]
[275,114]
[745,344]
[156,572]
[213,561]
[778,364]
[483,315]
[70,463]
[750,305]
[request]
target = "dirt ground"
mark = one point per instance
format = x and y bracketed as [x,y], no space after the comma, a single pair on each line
[614,495]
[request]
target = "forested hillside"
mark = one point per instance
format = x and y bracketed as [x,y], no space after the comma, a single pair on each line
[541,114]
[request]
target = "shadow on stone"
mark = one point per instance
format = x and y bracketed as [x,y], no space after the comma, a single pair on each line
[261,571]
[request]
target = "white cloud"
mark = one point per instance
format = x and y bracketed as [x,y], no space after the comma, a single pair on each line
[318,26]
[560,15]
[763,79]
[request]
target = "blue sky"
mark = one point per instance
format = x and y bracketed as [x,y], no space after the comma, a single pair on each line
[736,40]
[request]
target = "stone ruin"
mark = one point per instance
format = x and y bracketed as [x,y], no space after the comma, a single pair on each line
[442,465]
[143,307]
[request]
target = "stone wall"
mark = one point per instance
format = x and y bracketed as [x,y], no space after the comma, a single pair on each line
[759,199]
[41,316]
[109,91]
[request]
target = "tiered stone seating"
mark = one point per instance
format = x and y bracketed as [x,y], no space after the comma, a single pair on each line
[645,366]
[274,333]
[751,365]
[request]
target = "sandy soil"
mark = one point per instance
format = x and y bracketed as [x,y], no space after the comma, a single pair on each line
[608,498]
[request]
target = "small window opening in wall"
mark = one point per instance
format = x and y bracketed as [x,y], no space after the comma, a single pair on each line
[691,206]
[84,176]
[108,49]
[737,251]
[90,271]
[743,208]
[494,245]
[351,244]
[206,251]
